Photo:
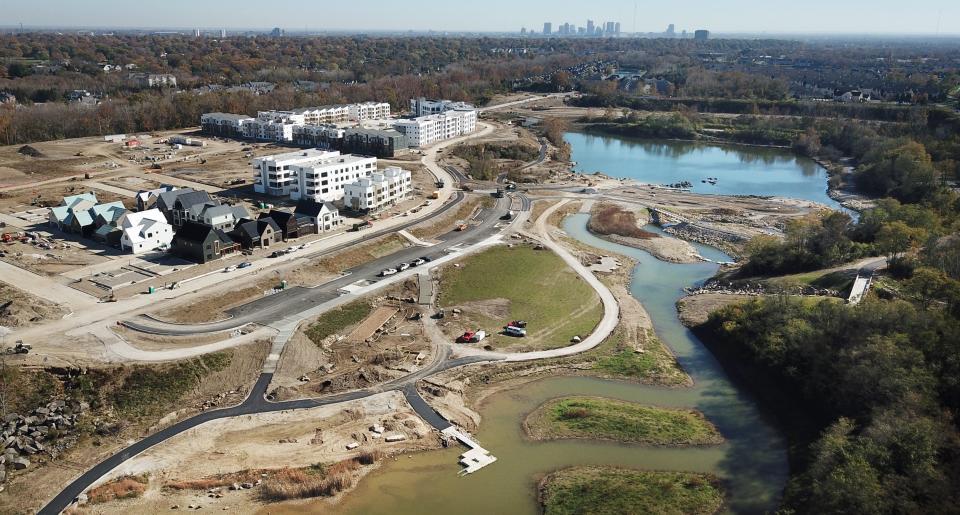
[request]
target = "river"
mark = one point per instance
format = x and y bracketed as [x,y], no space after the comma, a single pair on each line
[752,462]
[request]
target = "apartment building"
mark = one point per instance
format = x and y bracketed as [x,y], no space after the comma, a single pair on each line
[318,175]
[224,124]
[374,142]
[319,136]
[424,106]
[426,130]
[379,190]
[324,180]
[368,111]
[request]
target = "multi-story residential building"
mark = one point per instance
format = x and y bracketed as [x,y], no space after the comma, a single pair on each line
[224,124]
[377,191]
[424,106]
[426,130]
[314,174]
[320,136]
[153,80]
[273,174]
[374,142]
[324,180]
[368,111]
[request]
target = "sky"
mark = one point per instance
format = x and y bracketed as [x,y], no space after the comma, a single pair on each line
[926,17]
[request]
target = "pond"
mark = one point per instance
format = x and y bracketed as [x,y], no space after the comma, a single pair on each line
[738,169]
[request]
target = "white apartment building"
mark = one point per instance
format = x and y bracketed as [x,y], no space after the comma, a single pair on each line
[426,130]
[314,174]
[273,175]
[379,190]
[324,180]
[425,106]
[225,124]
[368,111]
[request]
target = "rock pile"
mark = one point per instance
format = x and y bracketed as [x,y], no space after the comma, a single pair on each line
[24,435]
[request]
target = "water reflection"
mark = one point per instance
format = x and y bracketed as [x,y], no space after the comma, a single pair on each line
[741,170]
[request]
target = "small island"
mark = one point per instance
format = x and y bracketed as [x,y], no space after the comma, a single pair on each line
[614,490]
[598,418]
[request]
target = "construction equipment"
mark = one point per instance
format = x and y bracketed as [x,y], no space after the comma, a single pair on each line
[19,348]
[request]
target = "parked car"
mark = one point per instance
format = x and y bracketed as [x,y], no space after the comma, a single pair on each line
[276,253]
[293,249]
[425,259]
[388,271]
[510,330]
[230,268]
[403,266]
[418,262]
[245,264]
[518,323]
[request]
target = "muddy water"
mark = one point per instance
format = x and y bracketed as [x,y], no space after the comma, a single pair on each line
[752,462]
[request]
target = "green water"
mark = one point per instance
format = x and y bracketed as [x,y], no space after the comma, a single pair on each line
[752,462]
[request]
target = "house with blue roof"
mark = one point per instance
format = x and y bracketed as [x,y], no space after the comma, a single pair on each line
[83,215]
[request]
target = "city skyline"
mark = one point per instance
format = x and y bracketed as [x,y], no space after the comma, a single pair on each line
[928,17]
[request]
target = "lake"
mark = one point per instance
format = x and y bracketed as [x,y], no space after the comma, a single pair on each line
[740,169]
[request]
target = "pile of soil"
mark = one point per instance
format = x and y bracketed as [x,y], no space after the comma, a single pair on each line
[17,311]
[27,150]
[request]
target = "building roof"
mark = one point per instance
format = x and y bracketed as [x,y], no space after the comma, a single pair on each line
[254,229]
[83,218]
[134,219]
[198,233]
[72,200]
[188,197]
[313,208]
[110,212]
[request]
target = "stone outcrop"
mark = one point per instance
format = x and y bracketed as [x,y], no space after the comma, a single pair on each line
[27,435]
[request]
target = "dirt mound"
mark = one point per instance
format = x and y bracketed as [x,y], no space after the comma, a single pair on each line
[27,150]
[18,309]
[497,309]
[609,219]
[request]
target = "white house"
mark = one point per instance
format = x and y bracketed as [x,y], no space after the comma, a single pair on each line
[144,231]
[377,191]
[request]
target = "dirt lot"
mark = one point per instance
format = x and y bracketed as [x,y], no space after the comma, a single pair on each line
[299,438]
[336,363]
[63,256]
[20,309]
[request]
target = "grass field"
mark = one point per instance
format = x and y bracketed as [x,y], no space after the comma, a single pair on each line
[600,418]
[612,490]
[338,320]
[532,285]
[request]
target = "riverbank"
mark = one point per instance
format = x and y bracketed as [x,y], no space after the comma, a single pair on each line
[599,418]
[615,490]
[623,224]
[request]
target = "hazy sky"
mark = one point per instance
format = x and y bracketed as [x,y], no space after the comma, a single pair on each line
[807,16]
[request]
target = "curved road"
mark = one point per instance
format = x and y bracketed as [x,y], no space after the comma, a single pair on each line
[256,401]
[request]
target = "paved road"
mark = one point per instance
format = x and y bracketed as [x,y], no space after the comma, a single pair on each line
[273,308]
[257,402]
